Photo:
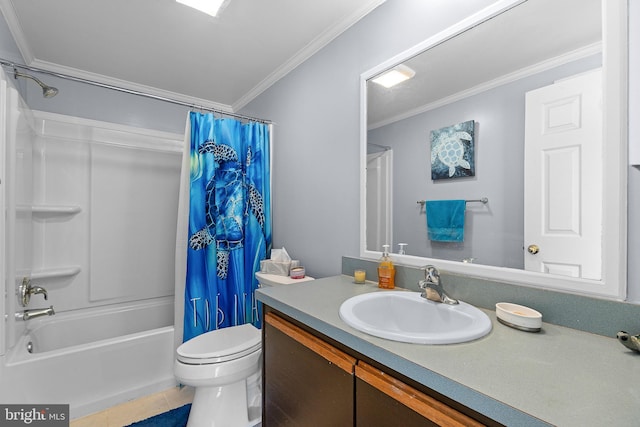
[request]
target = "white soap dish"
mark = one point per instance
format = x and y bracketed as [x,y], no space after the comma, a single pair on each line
[519,317]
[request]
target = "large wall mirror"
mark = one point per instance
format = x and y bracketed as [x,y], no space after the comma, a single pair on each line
[520,111]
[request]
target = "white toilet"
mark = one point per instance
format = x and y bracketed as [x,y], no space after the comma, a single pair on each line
[224,366]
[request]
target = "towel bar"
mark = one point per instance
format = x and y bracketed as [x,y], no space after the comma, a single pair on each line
[484,200]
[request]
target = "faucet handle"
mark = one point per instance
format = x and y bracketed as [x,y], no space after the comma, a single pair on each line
[433,288]
[431,274]
[25,290]
[39,290]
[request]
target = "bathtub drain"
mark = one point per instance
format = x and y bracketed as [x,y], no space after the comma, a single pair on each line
[30,347]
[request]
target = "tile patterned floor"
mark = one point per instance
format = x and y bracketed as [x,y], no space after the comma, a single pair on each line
[139,409]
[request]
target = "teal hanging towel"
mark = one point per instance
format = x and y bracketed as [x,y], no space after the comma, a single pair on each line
[445,220]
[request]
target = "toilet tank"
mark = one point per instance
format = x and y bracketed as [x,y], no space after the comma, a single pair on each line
[265,279]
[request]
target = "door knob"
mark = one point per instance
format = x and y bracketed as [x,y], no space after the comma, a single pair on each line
[533,249]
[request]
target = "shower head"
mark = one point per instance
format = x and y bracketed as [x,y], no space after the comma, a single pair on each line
[47,91]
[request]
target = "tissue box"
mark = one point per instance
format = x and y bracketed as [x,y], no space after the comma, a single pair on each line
[281,268]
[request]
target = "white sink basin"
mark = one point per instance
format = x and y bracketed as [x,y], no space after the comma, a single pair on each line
[408,317]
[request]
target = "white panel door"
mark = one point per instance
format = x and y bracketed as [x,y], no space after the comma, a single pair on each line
[563,177]
[379,200]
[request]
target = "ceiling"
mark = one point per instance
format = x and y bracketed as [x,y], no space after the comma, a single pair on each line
[168,49]
[531,37]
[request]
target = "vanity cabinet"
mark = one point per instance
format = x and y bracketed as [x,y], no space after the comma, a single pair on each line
[305,380]
[382,400]
[308,381]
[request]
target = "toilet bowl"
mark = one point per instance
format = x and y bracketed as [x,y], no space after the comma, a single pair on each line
[224,367]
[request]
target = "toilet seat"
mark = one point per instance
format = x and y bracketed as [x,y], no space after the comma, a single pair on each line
[221,345]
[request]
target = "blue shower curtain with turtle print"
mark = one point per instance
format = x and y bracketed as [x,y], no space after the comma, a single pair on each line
[229,222]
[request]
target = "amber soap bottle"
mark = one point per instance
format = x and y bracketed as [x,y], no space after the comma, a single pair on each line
[386,270]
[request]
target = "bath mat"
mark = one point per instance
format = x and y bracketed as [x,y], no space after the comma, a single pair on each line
[174,418]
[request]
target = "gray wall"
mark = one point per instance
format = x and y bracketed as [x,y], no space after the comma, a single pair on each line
[316,113]
[316,110]
[493,232]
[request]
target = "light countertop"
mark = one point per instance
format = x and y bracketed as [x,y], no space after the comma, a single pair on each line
[558,376]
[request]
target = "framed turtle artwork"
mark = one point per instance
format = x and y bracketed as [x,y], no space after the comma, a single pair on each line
[453,151]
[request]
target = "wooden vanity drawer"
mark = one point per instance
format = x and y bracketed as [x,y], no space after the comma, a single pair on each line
[382,400]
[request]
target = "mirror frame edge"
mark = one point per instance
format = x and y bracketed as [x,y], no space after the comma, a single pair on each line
[613,284]
[615,37]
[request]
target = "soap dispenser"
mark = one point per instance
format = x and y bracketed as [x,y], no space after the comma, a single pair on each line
[386,270]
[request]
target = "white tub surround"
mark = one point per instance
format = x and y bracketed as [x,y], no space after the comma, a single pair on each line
[92,359]
[89,217]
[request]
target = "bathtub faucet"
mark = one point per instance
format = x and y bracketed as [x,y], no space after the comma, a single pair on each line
[25,290]
[30,314]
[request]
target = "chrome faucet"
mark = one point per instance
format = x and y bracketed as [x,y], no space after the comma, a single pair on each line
[25,290]
[30,314]
[432,287]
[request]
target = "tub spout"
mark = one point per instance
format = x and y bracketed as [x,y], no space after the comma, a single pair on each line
[30,314]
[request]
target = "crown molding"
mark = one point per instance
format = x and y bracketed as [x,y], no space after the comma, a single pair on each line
[7,9]
[302,55]
[548,64]
[305,53]
[127,85]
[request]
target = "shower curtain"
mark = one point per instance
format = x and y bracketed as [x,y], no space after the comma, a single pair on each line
[229,222]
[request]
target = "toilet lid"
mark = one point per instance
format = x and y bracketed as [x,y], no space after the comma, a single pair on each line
[220,345]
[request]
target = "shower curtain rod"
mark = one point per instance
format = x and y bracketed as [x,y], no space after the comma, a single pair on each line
[131,91]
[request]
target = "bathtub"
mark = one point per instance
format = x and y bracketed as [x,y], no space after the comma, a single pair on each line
[92,358]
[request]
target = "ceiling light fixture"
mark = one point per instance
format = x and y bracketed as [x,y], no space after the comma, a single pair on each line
[210,7]
[396,75]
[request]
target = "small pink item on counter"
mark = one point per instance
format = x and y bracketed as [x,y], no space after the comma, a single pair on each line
[297,273]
